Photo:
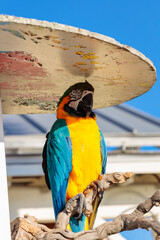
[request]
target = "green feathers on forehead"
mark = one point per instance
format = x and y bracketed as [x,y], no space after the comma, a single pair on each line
[81,85]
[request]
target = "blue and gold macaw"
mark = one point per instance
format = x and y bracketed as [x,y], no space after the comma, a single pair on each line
[74,154]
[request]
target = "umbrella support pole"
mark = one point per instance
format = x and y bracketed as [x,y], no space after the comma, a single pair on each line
[4,206]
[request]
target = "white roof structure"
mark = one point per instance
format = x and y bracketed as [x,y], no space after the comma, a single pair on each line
[132,138]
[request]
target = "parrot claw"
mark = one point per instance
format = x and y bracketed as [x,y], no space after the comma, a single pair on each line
[100,191]
[79,203]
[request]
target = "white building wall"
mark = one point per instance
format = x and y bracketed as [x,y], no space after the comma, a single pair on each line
[35,201]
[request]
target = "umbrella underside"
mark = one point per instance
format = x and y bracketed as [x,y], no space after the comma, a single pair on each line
[38,63]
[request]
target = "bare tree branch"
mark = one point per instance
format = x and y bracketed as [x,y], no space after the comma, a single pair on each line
[27,228]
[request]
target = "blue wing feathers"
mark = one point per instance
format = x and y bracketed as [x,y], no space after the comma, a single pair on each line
[59,163]
[103,153]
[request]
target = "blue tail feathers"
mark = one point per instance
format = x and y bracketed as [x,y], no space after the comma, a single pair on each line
[77,225]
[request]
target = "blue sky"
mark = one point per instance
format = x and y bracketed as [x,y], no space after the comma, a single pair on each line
[135,23]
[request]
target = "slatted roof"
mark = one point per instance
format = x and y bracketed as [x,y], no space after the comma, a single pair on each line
[117,119]
[126,130]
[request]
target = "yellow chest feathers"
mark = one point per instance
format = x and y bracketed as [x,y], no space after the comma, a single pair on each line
[86,155]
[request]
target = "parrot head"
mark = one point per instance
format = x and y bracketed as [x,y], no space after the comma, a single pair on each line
[78,100]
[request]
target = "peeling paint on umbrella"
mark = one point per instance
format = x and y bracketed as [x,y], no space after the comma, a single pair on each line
[16,33]
[41,104]
[4,23]
[20,64]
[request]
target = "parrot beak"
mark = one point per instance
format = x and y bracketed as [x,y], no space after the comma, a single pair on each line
[86,104]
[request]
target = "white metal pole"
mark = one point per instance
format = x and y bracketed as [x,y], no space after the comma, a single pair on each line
[4,206]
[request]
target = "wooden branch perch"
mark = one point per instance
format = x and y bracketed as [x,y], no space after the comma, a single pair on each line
[27,228]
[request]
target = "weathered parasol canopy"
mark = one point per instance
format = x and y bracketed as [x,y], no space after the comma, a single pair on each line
[39,60]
